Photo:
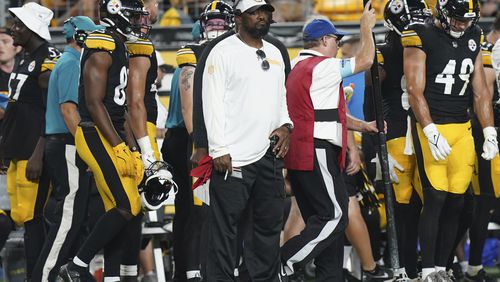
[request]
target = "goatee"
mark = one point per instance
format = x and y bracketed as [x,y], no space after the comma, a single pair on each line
[259,32]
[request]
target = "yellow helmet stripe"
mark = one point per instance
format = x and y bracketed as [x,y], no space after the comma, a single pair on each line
[425,4]
[471,6]
[214,5]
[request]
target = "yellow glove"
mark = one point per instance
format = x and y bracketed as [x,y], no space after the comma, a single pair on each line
[125,162]
[139,167]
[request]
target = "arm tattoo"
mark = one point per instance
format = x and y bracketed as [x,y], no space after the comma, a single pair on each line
[185,76]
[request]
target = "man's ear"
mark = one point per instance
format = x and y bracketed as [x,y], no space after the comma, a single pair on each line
[237,19]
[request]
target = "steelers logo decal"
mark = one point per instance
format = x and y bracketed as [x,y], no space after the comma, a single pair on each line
[211,69]
[472,45]
[397,7]
[114,6]
[31,66]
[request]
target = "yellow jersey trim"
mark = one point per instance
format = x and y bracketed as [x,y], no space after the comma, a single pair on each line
[100,41]
[140,47]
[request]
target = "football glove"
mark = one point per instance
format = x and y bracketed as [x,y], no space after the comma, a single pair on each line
[125,163]
[393,165]
[139,167]
[438,145]
[148,159]
[490,145]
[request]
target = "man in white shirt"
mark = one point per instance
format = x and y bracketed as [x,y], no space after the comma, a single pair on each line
[316,102]
[244,105]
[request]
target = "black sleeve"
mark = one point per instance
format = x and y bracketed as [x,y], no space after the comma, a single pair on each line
[200,138]
[284,52]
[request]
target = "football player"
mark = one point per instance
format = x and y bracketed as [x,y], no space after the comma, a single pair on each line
[99,136]
[441,59]
[398,14]
[68,173]
[141,118]
[7,59]
[216,19]
[486,179]
[23,126]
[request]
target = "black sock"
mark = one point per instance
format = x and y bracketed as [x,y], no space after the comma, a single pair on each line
[108,226]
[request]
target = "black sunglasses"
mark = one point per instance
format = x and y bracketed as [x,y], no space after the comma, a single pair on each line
[265,64]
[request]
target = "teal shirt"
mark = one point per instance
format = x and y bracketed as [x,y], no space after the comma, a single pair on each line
[175,119]
[63,88]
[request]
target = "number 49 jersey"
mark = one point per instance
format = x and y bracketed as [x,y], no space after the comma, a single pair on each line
[449,65]
[115,98]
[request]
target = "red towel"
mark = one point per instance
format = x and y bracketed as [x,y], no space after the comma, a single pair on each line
[203,171]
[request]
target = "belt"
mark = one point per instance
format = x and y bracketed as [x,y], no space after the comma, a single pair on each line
[61,137]
[326,115]
[86,124]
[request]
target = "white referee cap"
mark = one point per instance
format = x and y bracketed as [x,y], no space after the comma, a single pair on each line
[35,17]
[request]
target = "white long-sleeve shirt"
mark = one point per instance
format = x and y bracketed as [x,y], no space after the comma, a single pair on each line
[495,60]
[242,103]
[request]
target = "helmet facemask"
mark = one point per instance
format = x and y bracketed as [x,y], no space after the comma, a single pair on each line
[214,28]
[216,19]
[140,25]
[157,186]
[128,17]
[398,15]
[453,12]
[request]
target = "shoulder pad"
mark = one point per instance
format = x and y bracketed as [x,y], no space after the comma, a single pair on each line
[141,47]
[50,61]
[486,50]
[185,56]
[48,64]
[411,37]
[100,40]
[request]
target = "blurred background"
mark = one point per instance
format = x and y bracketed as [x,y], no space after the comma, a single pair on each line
[176,17]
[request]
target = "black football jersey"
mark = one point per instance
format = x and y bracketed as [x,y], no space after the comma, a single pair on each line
[394,95]
[4,83]
[115,98]
[24,120]
[188,55]
[144,47]
[449,65]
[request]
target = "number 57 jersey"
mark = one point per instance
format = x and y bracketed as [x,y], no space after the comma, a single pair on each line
[115,98]
[449,65]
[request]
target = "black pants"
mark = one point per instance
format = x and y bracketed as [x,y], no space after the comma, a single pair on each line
[70,182]
[322,199]
[176,150]
[484,205]
[407,216]
[261,191]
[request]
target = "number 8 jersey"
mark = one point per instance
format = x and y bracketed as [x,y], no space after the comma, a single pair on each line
[115,98]
[449,65]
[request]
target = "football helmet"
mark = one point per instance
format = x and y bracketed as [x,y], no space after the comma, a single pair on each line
[448,12]
[398,14]
[217,18]
[128,17]
[157,185]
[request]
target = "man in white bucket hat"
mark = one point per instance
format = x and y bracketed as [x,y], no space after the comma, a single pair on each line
[22,141]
